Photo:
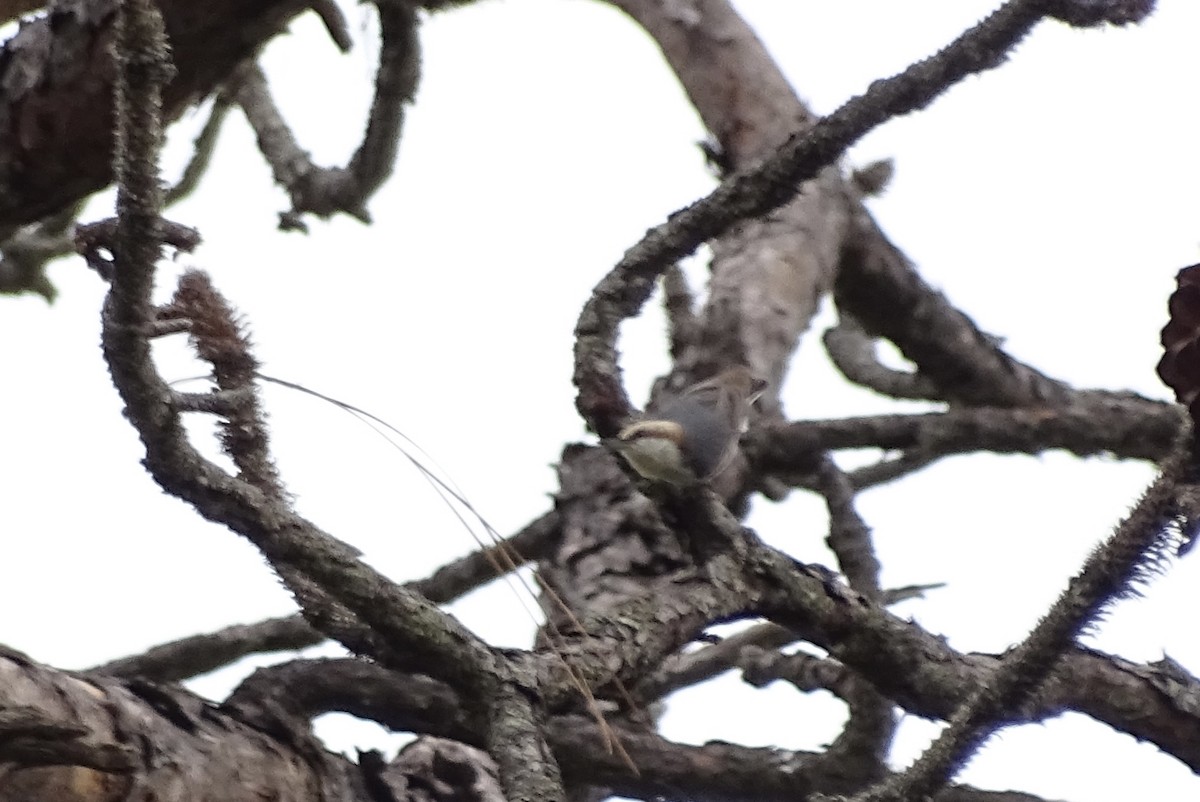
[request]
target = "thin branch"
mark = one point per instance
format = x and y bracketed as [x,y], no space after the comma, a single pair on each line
[1095,423]
[396,84]
[324,191]
[878,285]
[335,23]
[402,703]
[94,242]
[806,672]
[687,669]
[863,744]
[889,469]
[220,341]
[1136,548]
[222,404]
[202,150]
[679,304]
[25,255]
[144,68]
[199,654]
[479,567]
[849,536]
[853,353]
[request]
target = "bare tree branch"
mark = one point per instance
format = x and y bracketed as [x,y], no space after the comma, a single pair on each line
[1120,424]
[1139,542]
[765,186]
[199,654]
[324,190]
[853,353]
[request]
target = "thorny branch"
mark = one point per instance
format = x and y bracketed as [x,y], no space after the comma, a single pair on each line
[1136,548]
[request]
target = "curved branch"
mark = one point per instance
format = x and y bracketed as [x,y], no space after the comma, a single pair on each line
[878,285]
[852,351]
[765,186]
[324,191]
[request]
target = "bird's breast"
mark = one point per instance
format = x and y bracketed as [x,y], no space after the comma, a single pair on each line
[659,459]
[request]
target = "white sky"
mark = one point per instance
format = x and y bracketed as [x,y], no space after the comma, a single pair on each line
[1053,200]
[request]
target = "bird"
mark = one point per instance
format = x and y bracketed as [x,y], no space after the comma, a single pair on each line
[692,436]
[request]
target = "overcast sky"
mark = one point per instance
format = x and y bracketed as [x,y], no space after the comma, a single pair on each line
[1053,200]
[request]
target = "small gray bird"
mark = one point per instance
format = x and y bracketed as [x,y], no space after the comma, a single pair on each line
[693,436]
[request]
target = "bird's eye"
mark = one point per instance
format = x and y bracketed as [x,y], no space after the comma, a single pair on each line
[758,385]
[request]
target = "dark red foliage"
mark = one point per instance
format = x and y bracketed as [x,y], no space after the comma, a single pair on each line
[1180,366]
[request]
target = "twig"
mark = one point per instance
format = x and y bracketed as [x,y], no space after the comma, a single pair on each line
[324,191]
[202,150]
[853,353]
[199,654]
[479,567]
[26,253]
[849,536]
[889,469]
[335,23]
[681,316]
